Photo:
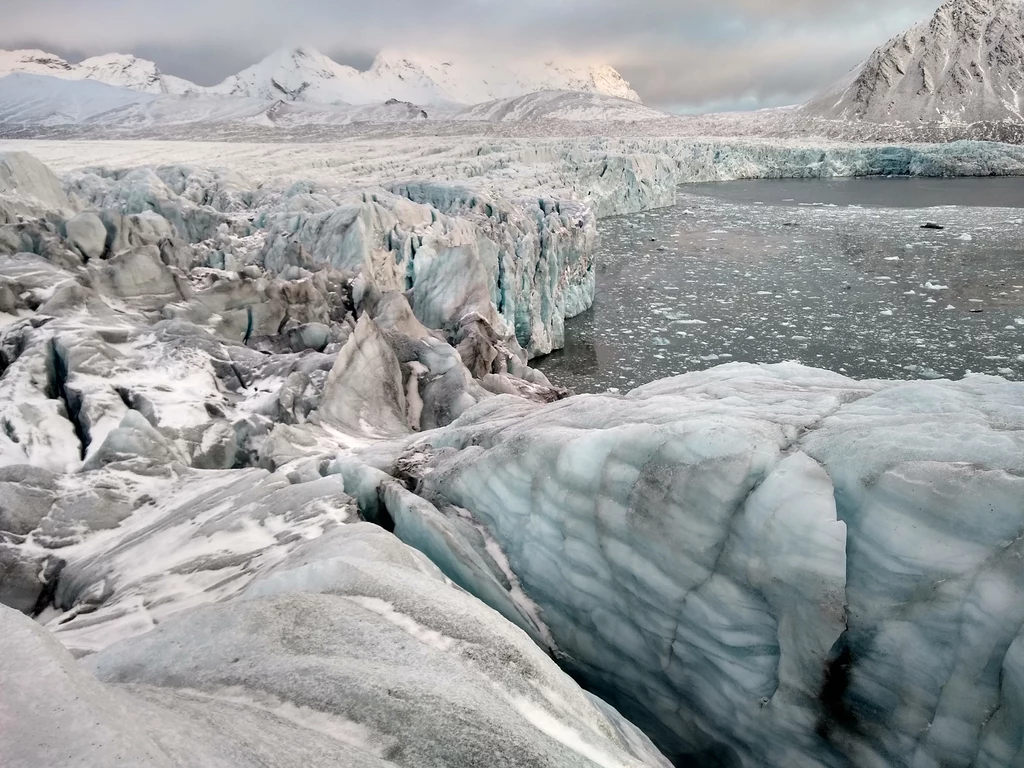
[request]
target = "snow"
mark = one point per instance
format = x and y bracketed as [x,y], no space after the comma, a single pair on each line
[301,86]
[30,100]
[304,74]
[408,624]
[35,62]
[134,73]
[114,69]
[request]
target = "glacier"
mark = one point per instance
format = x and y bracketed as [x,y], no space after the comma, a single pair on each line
[161,502]
[611,175]
[269,432]
[350,649]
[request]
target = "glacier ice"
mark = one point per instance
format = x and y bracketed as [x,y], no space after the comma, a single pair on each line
[764,565]
[759,565]
[27,185]
[294,670]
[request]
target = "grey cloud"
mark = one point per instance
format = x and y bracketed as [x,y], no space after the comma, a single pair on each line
[680,54]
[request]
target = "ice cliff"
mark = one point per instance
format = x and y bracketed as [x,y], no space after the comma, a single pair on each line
[612,176]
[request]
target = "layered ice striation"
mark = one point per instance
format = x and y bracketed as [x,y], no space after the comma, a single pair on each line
[765,565]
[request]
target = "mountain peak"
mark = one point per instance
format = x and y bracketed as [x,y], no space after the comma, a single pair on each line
[290,74]
[118,69]
[33,61]
[965,64]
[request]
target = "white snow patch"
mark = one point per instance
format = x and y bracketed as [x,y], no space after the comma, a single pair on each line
[406,623]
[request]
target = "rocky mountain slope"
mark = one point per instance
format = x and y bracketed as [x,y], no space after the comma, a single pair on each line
[560,105]
[964,65]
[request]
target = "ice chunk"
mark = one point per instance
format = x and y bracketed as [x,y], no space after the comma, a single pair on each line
[693,548]
[364,392]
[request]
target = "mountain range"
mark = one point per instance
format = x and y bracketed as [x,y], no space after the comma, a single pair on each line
[306,75]
[960,72]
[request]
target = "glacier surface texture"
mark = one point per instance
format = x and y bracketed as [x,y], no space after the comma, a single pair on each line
[279,485]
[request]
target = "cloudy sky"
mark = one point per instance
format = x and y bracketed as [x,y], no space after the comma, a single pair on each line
[684,55]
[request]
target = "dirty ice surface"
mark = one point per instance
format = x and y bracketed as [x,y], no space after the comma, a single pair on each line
[837,274]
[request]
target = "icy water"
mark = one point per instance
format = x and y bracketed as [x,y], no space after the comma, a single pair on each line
[836,274]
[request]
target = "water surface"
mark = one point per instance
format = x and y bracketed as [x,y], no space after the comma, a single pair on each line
[741,271]
[881,192]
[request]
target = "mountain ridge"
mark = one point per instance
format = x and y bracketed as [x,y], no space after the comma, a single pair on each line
[123,70]
[964,64]
[304,74]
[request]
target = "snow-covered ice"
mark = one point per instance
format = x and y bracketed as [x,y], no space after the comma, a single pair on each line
[349,649]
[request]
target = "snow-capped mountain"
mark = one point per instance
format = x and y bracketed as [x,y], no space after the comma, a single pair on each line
[303,74]
[964,65]
[117,69]
[137,74]
[306,75]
